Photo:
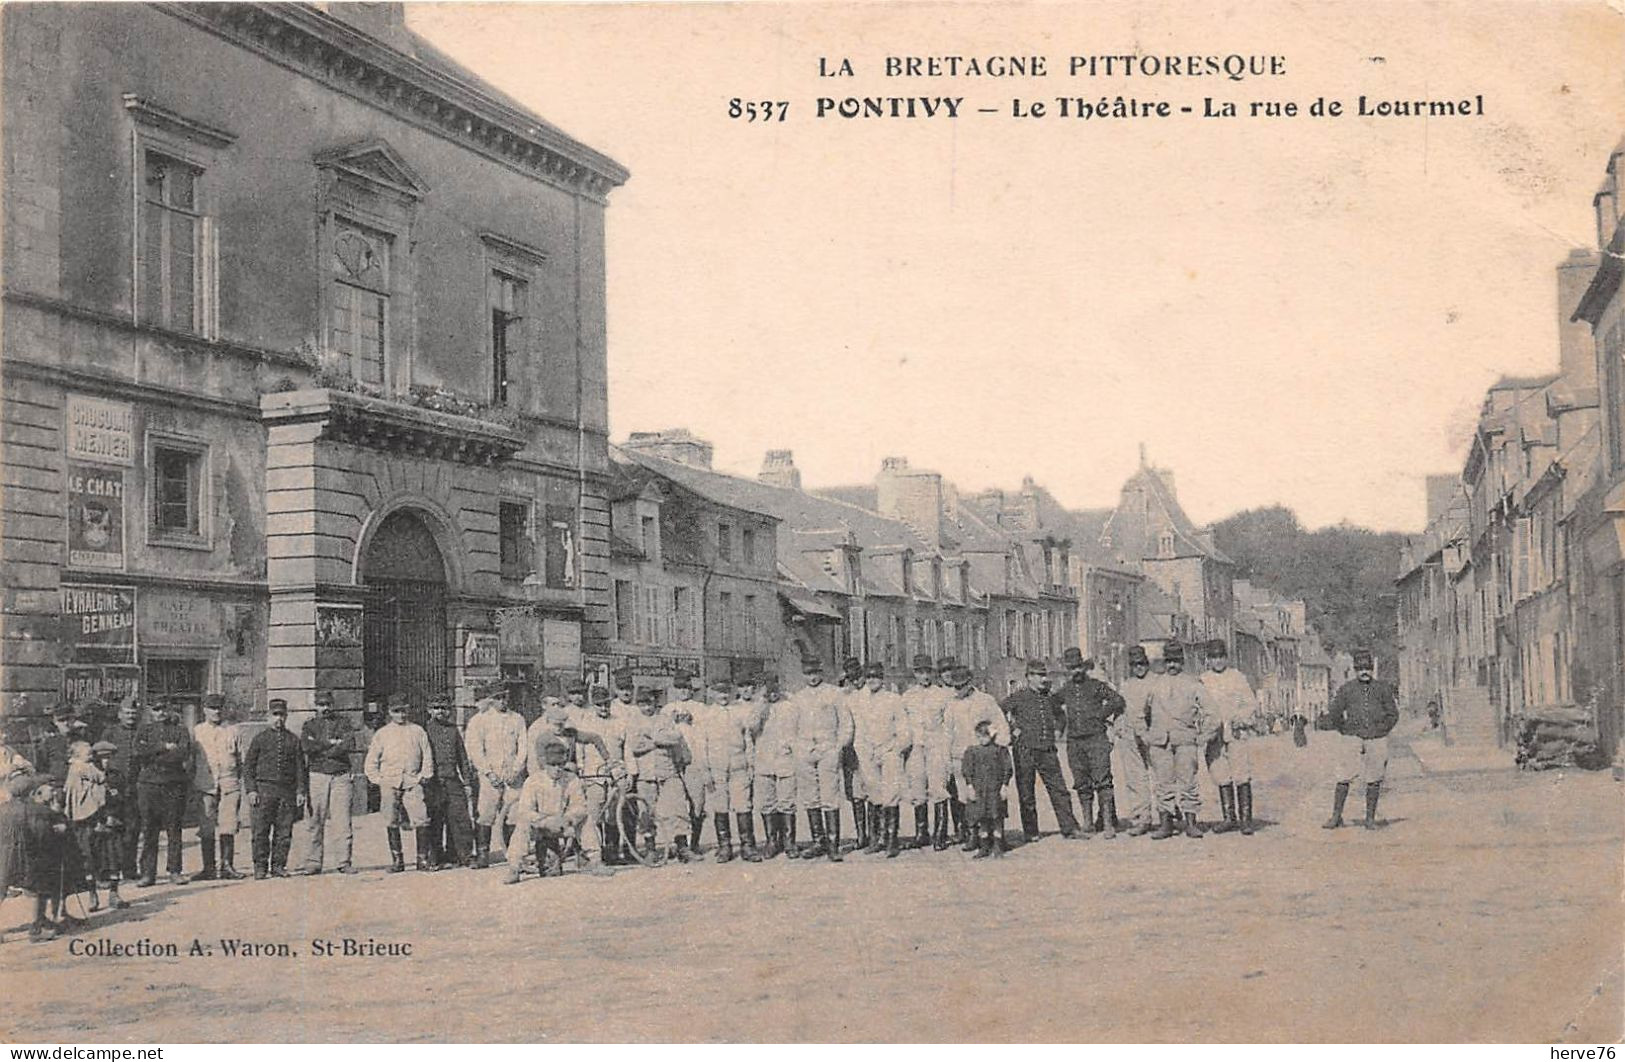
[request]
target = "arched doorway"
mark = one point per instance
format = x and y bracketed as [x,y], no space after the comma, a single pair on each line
[404,650]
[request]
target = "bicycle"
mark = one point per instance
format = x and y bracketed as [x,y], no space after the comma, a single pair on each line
[624,812]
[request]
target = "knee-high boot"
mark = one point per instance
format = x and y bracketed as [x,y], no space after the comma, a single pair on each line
[747,837]
[1340,796]
[1108,814]
[860,824]
[1244,807]
[425,849]
[725,848]
[397,861]
[892,817]
[787,833]
[1227,809]
[1373,791]
[939,842]
[832,835]
[922,826]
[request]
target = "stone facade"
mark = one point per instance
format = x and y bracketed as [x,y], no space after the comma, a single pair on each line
[304,363]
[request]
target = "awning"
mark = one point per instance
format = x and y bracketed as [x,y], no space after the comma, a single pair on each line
[808,605]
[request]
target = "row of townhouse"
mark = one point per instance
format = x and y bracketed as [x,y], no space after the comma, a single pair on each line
[1513,599]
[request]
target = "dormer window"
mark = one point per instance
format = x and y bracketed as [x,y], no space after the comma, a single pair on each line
[1165,544]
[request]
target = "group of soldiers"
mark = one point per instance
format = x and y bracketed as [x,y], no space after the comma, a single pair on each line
[734,750]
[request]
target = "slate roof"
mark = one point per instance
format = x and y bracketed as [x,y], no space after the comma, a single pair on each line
[1128,533]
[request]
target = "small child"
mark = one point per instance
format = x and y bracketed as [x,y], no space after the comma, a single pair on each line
[91,803]
[986,767]
[31,839]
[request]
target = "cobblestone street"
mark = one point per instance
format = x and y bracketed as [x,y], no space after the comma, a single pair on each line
[1488,909]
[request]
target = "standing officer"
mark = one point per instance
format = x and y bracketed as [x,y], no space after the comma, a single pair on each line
[692,776]
[823,729]
[1176,735]
[53,751]
[1365,712]
[851,781]
[1035,715]
[1229,700]
[451,830]
[277,780]
[775,788]
[914,701]
[880,735]
[966,707]
[496,748]
[398,760]
[1092,708]
[164,751]
[1132,769]
[328,739]
[122,736]
[217,777]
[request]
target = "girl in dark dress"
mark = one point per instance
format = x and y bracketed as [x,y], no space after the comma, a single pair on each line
[32,838]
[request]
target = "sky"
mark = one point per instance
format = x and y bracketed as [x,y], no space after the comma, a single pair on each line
[1302,311]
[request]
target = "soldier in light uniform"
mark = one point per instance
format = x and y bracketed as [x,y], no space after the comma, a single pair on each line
[498,751]
[722,746]
[1230,702]
[1131,758]
[926,759]
[217,777]
[1177,733]
[823,729]
[775,767]
[1364,711]
[552,806]
[880,735]
[684,711]
[654,743]
[596,763]
[626,694]
[851,780]
[966,707]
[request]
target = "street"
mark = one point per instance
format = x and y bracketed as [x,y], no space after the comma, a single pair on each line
[1487,909]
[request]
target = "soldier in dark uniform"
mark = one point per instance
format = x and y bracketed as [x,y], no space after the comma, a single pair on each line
[1091,708]
[163,750]
[852,681]
[121,735]
[52,755]
[451,829]
[1365,712]
[1035,716]
[277,783]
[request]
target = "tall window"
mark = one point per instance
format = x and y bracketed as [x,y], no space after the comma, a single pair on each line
[507,316]
[681,629]
[359,274]
[750,623]
[176,490]
[725,541]
[650,537]
[513,540]
[747,545]
[172,229]
[725,619]
[626,618]
[651,616]
[1613,359]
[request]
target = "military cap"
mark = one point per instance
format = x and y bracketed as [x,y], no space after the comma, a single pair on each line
[555,751]
[61,710]
[1073,658]
[812,666]
[623,677]
[104,748]
[214,700]
[439,701]
[1137,655]
[400,700]
[278,706]
[600,695]
[324,699]
[1173,653]
[682,681]
[577,686]
[1216,647]
[922,662]
[1362,660]
[947,664]
[874,669]
[648,695]
[1037,667]
[722,684]
[959,675]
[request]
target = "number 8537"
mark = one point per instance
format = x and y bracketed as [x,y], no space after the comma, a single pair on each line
[758,110]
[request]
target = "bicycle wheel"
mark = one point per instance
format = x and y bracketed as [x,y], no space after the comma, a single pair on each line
[631,814]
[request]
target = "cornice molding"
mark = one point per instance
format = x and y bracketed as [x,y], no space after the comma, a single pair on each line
[328,50]
[150,114]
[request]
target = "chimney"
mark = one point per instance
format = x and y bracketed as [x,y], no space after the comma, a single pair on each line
[912,496]
[1577,355]
[779,469]
[1026,514]
[673,444]
[1441,495]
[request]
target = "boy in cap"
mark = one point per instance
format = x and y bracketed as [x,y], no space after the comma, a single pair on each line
[277,780]
[1035,716]
[823,729]
[217,777]
[986,770]
[398,760]
[880,735]
[552,806]
[1229,699]
[328,739]
[85,802]
[1365,712]
[1178,732]
[1092,709]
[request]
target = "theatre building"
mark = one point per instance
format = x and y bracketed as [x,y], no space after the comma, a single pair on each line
[303,363]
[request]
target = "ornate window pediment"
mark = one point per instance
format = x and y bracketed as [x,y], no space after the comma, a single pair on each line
[376,166]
